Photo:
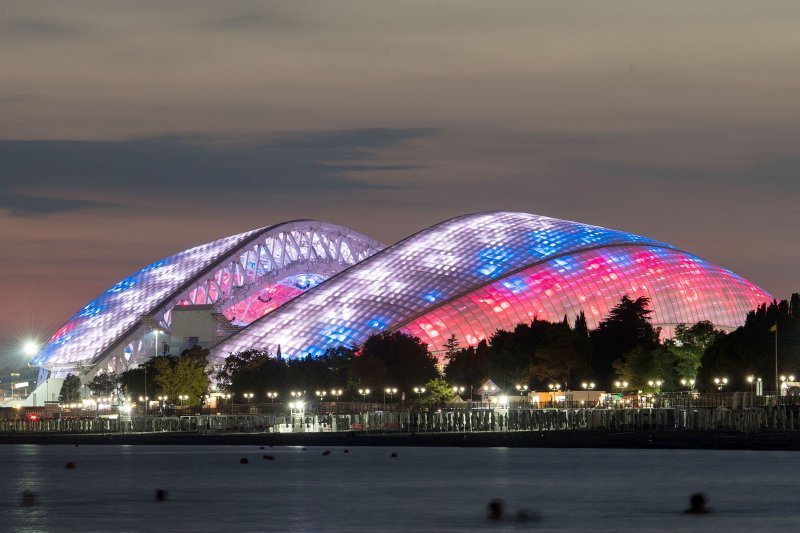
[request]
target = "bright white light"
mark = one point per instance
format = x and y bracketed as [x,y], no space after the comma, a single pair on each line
[30,348]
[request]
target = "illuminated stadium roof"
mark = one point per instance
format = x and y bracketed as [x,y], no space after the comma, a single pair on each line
[475,274]
[244,276]
[309,286]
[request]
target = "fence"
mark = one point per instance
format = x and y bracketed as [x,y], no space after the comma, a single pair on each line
[452,419]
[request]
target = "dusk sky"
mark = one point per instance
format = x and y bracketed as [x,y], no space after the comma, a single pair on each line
[132,130]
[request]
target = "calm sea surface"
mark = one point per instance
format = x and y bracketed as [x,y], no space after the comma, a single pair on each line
[424,489]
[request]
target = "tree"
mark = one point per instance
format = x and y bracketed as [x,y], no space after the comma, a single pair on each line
[406,360]
[688,346]
[751,348]
[451,347]
[70,390]
[437,393]
[103,384]
[469,366]
[626,327]
[241,371]
[642,365]
[185,375]
[560,355]
[132,381]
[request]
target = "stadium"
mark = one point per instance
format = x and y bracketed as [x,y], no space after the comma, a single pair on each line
[305,286]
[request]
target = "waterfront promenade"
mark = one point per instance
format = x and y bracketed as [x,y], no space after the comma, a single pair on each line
[747,426]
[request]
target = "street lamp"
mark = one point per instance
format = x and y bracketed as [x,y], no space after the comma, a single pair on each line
[272,396]
[688,383]
[588,386]
[145,400]
[320,394]
[720,382]
[363,393]
[248,396]
[419,391]
[391,391]
[337,393]
[229,397]
[458,390]
[162,403]
[554,387]
[182,398]
[488,391]
[522,389]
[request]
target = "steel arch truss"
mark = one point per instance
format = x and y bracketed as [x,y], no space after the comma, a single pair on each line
[248,282]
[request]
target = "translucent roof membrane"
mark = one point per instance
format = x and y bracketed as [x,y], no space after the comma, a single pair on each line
[105,319]
[683,289]
[440,268]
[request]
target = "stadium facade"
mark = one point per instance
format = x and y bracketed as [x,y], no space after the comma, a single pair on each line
[307,286]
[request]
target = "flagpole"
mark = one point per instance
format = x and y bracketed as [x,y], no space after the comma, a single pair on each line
[777,387]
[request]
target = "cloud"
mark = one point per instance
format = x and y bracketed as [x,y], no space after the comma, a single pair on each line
[30,205]
[253,21]
[322,162]
[36,29]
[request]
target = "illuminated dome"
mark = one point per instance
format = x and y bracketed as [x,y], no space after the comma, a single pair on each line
[240,278]
[475,274]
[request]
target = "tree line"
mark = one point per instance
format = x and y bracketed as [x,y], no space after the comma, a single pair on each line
[624,347]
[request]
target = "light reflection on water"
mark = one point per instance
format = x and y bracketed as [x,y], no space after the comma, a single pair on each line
[424,489]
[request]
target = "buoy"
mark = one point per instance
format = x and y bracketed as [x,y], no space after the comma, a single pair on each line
[243,461]
[346,451]
[28,498]
[70,466]
[268,457]
[697,504]
[161,495]
[326,452]
[394,455]
[496,508]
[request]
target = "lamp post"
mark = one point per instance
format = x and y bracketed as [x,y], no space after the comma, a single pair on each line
[554,387]
[248,396]
[458,390]
[337,393]
[272,396]
[720,382]
[420,391]
[162,404]
[320,394]
[364,393]
[621,386]
[229,397]
[487,392]
[688,383]
[144,400]
[391,391]
[182,398]
[522,390]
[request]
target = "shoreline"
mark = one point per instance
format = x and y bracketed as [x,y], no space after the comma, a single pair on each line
[695,440]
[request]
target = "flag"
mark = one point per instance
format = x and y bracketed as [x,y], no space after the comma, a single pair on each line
[773,328]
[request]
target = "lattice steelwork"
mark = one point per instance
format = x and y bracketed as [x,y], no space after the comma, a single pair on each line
[244,276]
[474,274]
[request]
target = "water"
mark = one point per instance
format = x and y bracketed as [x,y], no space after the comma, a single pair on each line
[424,489]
